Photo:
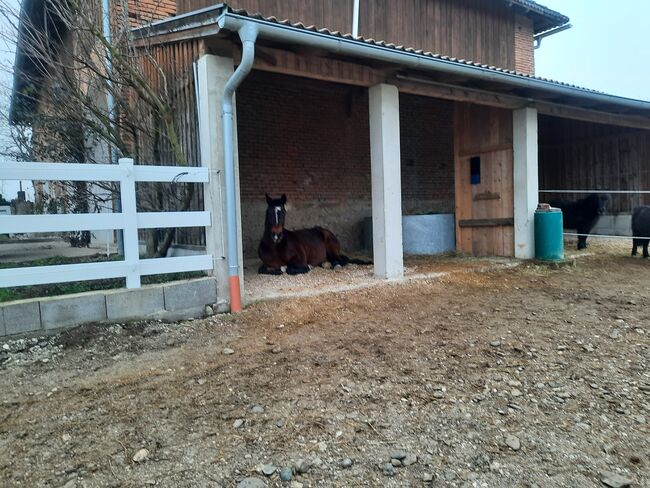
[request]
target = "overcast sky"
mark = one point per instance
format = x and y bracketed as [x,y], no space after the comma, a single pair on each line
[605,50]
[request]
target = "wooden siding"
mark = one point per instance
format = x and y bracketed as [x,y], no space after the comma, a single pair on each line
[467,29]
[484,211]
[170,70]
[333,14]
[576,155]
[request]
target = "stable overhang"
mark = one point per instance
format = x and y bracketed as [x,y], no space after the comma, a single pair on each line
[412,65]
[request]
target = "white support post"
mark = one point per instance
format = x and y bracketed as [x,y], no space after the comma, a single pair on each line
[386,181]
[212,73]
[526,180]
[130,226]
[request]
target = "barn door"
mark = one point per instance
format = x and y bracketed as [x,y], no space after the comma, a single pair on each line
[484,181]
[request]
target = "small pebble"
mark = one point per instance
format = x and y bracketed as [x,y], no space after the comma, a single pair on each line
[257,409]
[409,459]
[513,442]
[141,456]
[397,454]
[614,480]
[396,462]
[286,474]
[238,423]
[427,477]
[495,343]
[227,351]
[346,463]
[268,469]
[251,483]
[388,469]
[302,466]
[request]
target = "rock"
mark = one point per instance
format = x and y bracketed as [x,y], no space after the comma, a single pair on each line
[614,480]
[302,466]
[141,456]
[388,469]
[209,311]
[514,383]
[396,462]
[201,381]
[615,334]
[583,426]
[346,463]
[427,478]
[227,351]
[257,409]
[588,347]
[286,474]
[516,393]
[268,469]
[70,484]
[66,437]
[409,459]
[495,343]
[238,423]
[449,475]
[322,446]
[5,347]
[513,442]
[295,484]
[398,454]
[251,483]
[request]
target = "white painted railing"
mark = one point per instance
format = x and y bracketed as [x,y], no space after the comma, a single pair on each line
[129,220]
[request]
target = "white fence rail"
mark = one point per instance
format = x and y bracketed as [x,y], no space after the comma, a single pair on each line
[129,220]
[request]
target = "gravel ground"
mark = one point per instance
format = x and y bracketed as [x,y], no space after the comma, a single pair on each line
[527,376]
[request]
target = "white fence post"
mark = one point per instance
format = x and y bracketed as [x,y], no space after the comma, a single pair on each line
[130,218]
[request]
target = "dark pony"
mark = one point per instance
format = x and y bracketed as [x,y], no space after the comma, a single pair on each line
[297,249]
[582,215]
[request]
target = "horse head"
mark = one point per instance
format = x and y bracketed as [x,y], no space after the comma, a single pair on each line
[275,213]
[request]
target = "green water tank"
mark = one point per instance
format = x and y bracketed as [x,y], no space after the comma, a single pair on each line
[549,243]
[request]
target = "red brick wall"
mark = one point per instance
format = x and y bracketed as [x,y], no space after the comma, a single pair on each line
[524,51]
[311,140]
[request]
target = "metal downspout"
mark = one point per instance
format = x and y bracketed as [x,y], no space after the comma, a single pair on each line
[248,35]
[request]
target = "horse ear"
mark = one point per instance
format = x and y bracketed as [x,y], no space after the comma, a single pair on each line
[283,198]
[268,199]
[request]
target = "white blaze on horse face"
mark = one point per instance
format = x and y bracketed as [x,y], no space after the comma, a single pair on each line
[277,213]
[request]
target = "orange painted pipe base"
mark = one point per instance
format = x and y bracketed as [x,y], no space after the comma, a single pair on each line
[235,294]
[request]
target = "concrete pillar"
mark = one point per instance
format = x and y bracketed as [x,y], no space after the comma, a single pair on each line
[526,180]
[386,181]
[212,74]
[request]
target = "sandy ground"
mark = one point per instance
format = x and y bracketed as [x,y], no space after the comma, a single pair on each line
[526,376]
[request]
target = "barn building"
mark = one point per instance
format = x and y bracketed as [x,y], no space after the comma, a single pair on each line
[385,109]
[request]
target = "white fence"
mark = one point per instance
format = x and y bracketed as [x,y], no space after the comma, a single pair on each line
[129,220]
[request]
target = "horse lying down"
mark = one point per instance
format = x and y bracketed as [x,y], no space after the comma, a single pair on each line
[582,214]
[641,228]
[298,249]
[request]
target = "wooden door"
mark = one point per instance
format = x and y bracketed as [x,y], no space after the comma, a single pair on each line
[484,180]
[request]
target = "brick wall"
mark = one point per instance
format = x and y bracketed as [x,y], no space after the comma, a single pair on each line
[310,140]
[524,51]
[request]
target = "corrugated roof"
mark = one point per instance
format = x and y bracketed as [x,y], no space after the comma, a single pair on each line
[543,17]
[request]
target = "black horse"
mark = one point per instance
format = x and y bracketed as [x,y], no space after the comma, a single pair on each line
[582,215]
[299,249]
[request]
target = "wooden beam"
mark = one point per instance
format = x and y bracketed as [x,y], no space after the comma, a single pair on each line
[508,222]
[563,111]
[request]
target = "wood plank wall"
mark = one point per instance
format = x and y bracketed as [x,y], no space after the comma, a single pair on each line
[576,155]
[484,211]
[467,29]
[169,68]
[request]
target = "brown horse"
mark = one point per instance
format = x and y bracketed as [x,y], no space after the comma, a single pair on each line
[299,249]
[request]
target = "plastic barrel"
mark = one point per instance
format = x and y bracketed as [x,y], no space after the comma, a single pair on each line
[549,243]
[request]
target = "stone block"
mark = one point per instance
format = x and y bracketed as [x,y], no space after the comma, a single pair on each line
[74,310]
[190,294]
[135,304]
[21,317]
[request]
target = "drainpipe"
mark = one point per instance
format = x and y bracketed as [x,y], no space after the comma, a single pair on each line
[355,19]
[248,34]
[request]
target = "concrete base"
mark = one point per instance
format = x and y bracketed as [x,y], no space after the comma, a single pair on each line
[429,234]
[172,301]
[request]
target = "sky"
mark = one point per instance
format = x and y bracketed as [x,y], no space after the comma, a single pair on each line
[604,50]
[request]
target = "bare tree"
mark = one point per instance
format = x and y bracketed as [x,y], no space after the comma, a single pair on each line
[72,67]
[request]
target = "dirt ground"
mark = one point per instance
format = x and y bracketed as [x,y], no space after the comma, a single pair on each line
[527,376]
